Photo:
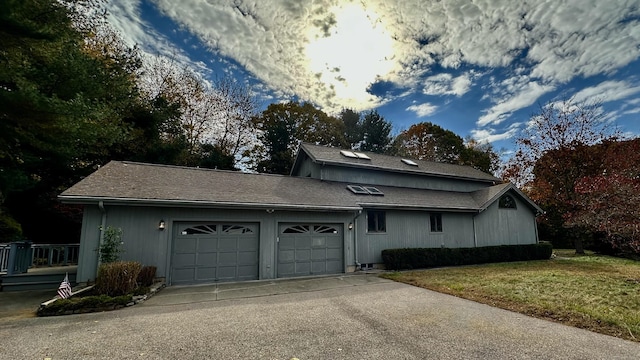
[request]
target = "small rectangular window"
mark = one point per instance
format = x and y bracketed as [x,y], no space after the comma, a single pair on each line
[436,222]
[376,221]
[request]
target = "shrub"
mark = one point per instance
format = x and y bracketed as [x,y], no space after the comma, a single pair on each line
[111,246]
[399,259]
[118,278]
[84,305]
[146,276]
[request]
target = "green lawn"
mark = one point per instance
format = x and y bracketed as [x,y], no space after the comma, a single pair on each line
[598,293]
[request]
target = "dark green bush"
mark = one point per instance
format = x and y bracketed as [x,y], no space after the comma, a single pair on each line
[146,276]
[85,304]
[400,259]
[118,278]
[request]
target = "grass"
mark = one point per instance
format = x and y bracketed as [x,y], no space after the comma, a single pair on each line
[593,292]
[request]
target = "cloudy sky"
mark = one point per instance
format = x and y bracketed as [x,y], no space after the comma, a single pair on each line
[479,68]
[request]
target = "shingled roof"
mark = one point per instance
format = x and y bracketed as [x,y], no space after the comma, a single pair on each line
[331,155]
[148,184]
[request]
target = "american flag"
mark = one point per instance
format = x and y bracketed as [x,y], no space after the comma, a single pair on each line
[64,290]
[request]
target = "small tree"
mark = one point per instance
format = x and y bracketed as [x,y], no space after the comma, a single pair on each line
[111,246]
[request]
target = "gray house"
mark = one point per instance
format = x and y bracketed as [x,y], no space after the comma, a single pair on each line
[335,213]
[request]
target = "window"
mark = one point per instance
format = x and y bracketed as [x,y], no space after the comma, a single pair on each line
[376,221]
[507,202]
[200,230]
[436,222]
[297,229]
[236,229]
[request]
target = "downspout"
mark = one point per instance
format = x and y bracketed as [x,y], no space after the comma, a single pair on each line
[355,239]
[103,224]
[475,235]
[535,226]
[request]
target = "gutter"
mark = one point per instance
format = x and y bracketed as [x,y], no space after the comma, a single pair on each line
[71,199]
[414,207]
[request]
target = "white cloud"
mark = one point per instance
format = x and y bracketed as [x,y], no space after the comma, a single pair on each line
[330,51]
[606,91]
[490,135]
[423,110]
[446,84]
[521,93]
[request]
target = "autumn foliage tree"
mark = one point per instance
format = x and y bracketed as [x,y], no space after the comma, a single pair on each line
[427,141]
[553,154]
[606,202]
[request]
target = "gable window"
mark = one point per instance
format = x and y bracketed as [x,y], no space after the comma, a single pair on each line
[436,222]
[507,202]
[376,221]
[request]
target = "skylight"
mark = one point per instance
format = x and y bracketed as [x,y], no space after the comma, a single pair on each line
[362,156]
[373,190]
[357,189]
[409,162]
[365,190]
[354,155]
[349,154]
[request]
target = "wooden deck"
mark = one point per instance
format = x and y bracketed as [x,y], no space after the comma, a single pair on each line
[38,278]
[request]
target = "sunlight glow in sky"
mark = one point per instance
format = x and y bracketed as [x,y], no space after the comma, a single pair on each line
[356,51]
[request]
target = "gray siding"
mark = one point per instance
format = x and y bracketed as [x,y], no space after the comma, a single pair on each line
[373,177]
[411,229]
[144,242]
[308,168]
[89,243]
[496,226]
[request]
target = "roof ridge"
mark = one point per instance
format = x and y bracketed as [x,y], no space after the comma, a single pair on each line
[194,168]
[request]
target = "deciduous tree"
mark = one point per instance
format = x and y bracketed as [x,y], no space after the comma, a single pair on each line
[607,201]
[552,155]
[283,126]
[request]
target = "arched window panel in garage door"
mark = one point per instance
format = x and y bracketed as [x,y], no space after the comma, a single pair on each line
[325,229]
[200,230]
[297,229]
[236,229]
[308,229]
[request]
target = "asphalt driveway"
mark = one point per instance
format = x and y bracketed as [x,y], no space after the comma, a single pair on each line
[352,319]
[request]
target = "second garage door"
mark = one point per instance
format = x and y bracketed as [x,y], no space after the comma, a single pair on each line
[212,252]
[310,249]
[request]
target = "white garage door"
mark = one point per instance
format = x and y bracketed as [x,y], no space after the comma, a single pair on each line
[210,252]
[310,249]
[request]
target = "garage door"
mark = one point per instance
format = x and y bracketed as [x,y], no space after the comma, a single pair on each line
[310,249]
[214,252]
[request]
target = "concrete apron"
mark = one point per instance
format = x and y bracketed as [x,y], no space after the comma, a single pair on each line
[188,294]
